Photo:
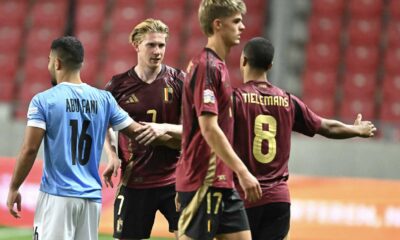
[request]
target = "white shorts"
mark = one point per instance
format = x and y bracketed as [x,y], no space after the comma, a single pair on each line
[66,218]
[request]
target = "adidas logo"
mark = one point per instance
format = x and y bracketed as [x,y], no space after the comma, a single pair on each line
[132,99]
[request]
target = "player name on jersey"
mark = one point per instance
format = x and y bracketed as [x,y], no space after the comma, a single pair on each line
[265,100]
[81,105]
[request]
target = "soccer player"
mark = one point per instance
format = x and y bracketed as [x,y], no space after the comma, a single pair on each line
[210,206]
[265,116]
[72,118]
[151,93]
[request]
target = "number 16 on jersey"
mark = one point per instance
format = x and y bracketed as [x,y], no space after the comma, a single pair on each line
[81,143]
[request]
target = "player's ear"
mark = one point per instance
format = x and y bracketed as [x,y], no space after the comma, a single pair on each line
[57,63]
[135,46]
[269,66]
[217,24]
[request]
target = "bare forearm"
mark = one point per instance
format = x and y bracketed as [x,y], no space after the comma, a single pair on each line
[174,130]
[338,130]
[168,141]
[22,168]
[110,145]
[217,140]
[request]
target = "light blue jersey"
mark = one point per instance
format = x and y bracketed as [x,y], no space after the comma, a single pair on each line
[76,118]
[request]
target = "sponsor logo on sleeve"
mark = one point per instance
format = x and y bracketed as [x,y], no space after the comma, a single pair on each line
[208,96]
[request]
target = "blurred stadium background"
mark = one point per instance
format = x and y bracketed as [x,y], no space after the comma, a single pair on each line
[341,57]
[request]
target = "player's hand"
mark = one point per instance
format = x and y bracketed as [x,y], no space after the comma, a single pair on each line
[366,128]
[250,185]
[149,132]
[111,170]
[14,197]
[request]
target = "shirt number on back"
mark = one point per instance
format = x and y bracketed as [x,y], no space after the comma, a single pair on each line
[81,142]
[264,135]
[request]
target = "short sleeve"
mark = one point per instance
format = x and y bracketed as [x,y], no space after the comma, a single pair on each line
[205,92]
[36,113]
[306,121]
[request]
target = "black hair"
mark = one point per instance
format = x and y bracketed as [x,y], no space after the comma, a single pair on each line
[259,53]
[70,51]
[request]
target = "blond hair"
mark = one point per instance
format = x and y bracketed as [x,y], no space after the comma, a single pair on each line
[149,25]
[209,10]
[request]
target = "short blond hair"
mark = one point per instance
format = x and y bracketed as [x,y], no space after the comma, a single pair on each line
[149,25]
[209,10]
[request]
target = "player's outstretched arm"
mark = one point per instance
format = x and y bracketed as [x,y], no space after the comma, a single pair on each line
[33,139]
[335,129]
[113,161]
[218,142]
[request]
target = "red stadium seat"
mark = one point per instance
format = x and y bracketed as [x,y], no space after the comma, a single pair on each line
[173,17]
[394,9]
[40,39]
[124,18]
[391,87]
[129,3]
[328,7]
[25,95]
[390,111]
[90,69]
[7,86]
[321,105]
[91,41]
[319,82]
[115,66]
[193,47]
[13,13]
[10,39]
[359,84]
[170,4]
[324,29]
[392,60]
[8,64]
[193,27]
[323,56]
[351,106]
[35,68]
[253,26]
[194,5]
[90,15]
[364,31]
[50,13]
[361,58]
[118,45]
[30,89]
[394,33]
[366,8]
[256,6]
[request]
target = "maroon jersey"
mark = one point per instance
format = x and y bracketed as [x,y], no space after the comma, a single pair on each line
[265,116]
[160,102]
[207,90]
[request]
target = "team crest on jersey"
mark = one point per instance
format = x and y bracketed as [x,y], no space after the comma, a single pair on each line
[132,99]
[208,96]
[120,222]
[168,94]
